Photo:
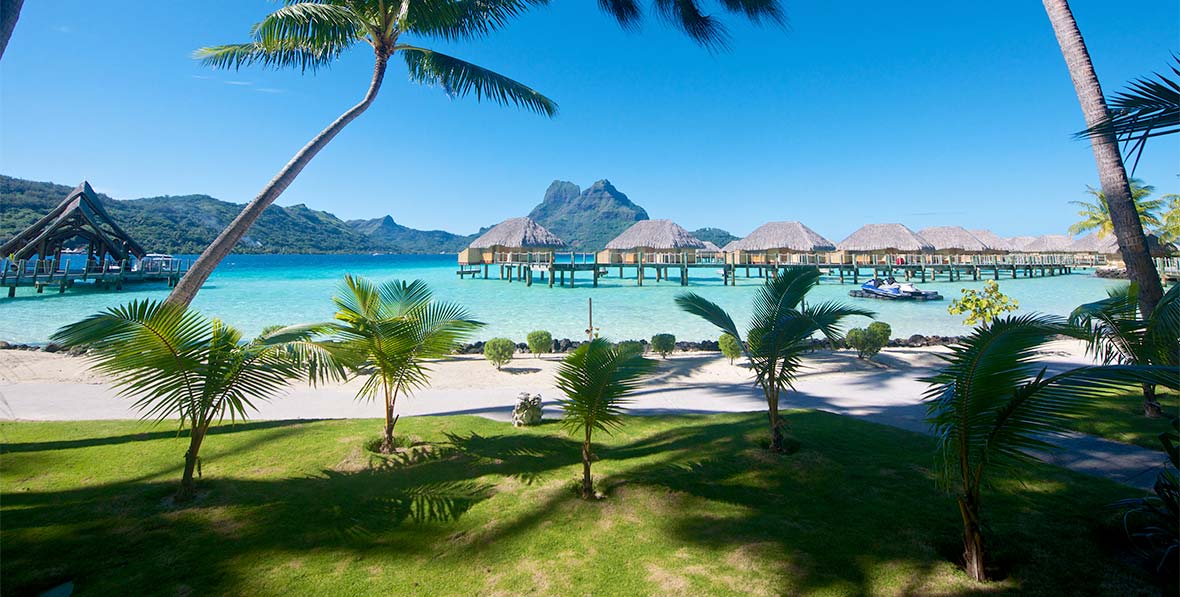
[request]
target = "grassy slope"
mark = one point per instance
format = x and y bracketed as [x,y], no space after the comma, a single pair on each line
[1121,419]
[298,507]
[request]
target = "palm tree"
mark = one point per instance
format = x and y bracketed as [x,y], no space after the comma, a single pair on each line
[1118,333]
[177,363]
[596,379]
[1096,215]
[1169,231]
[9,14]
[1112,175]
[388,332]
[312,34]
[779,333]
[994,404]
[1149,108]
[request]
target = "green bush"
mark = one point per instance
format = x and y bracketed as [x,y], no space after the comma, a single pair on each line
[499,351]
[630,346]
[868,342]
[663,344]
[540,341]
[982,307]
[730,347]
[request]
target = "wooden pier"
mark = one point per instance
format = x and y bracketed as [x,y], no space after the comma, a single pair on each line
[68,272]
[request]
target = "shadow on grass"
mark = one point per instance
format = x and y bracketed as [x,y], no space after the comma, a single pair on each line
[146,435]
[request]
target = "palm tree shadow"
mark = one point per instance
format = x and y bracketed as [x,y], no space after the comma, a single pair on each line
[146,435]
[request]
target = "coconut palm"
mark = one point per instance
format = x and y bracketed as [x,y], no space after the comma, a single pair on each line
[1112,174]
[9,14]
[993,404]
[779,333]
[1148,108]
[596,379]
[1169,231]
[1118,333]
[1096,214]
[388,332]
[177,363]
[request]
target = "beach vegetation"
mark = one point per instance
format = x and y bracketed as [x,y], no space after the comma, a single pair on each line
[631,346]
[540,342]
[1169,231]
[1149,107]
[779,334]
[499,351]
[387,333]
[177,364]
[868,341]
[1152,522]
[730,347]
[1095,214]
[982,307]
[993,405]
[596,379]
[1119,333]
[663,344]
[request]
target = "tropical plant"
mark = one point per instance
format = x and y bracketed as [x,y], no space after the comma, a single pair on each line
[663,344]
[730,347]
[779,333]
[387,333]
[499,351]
[1169,231]
[1152,522]
[1117,332]
[993,404]
[176,363]
[540,342]
[868,342]
[1096,215]
[1112,174]
[1148,108]
[982,307]
[313,34]
[596,379]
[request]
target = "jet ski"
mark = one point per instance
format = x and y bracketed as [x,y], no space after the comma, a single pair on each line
[890,289]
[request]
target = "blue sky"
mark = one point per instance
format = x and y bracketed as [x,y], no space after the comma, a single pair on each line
[925,113]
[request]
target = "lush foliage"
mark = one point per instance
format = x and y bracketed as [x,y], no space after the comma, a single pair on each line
[982,307]
[387,333]
[499,351]
[779,334]
[540,342]
[716,236]
[1148,108]
[586,219]
[1153,522]
[730,347]
[178,364]
[993,404]
[632,346]
[1169,231]
[663,344]
[1096,214]
[596,379]
[870,341]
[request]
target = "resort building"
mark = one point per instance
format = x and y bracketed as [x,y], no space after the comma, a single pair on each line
[884,244]
[995,243]
[517,240]
[80,220]
[1105,249]
[780,244]
[655,242]
[954,245]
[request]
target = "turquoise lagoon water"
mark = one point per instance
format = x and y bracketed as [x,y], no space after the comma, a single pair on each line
[252,291]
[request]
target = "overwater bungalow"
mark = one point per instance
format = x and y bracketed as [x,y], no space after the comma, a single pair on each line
[1016,244]
[995,243]
[516,241]
[655,242]
[954,245]
[884,244]
[781,244]
[711,253]
[1105,249]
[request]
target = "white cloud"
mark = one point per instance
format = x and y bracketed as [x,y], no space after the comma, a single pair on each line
[242,83]
[270,90]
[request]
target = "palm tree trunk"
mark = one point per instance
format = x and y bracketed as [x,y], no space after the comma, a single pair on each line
[9,13]
[1151,406]
[587,483]
[972,538]
[390,421]
[192,281]
[1112,174]
[191,460]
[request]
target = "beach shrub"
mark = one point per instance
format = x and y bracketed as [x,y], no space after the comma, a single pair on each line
[178,364]
[779,335]
[631,346]
[1151,521]
[499,351]
[596,379]
[540,342]
[982,307]
[868,342]
[663,344]
[730,347]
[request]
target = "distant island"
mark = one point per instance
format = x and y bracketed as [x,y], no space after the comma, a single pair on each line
[587,220]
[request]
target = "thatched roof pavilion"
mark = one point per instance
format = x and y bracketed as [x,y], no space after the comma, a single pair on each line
[884,238]
[80,215]
[731,246]
[1016,244]
[657,235]
[710,247]
[518,233]
[1049,243]
[995,243]
[953,240]
[1109,245]
[786,237]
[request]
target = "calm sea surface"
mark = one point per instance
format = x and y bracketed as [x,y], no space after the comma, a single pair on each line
[252,291]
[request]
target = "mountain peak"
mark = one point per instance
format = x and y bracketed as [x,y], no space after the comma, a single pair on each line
[586,219]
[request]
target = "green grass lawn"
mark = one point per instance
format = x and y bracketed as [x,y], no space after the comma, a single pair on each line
[1121,419]
[693,508]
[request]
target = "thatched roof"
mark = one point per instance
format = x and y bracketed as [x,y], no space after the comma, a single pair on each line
[1016,244]
[522,233]
[789,236]
[710,247]
[952,239]
[993,241]
[731,246]
[884,237]
[655,234]
[1049,243]
[1109,245]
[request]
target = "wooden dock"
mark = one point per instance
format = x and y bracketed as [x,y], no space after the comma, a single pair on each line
[69,272]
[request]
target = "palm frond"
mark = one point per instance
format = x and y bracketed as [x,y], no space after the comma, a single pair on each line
[596,378]
[1148,108]
[455,20]
[698,305]
[459,78]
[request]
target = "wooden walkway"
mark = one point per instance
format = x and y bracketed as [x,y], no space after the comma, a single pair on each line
[60,275]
